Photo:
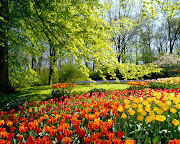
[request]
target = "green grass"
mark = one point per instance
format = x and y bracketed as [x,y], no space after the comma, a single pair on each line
[41,93]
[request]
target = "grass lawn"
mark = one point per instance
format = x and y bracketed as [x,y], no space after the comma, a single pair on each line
[40,93]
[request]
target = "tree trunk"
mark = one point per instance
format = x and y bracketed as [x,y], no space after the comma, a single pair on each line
[137,55]
[52,63]
[50,75]
[119,49]
[169,35]
[40,64]
[4,82]
[33,63]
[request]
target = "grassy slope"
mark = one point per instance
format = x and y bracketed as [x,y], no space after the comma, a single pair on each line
[40,93]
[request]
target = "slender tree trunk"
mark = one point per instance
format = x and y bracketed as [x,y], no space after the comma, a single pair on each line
[169,35]
[136,55]
[94,67]
[40,64]
[50,68]
[123,49]
[33,63]
[86,64]
[52,63]
[50,75]
[119,49]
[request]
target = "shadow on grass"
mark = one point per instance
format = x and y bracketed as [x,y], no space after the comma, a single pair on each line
[37,93]
[42,93]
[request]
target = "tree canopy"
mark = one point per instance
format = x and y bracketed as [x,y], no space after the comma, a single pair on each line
[74,29]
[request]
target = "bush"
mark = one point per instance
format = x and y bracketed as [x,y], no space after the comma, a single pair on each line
[128,71]
[70,73]
[168,61]
[95,75]
[61,90]
[60,94]
[15,104]
[136,87]
[100,90]
[163,86]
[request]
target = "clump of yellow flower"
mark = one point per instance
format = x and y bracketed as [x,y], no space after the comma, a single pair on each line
[161,118]
[120,108]
[173,110]
[124,116]
[131,111]
[170,80]
[175,122]
[140,118]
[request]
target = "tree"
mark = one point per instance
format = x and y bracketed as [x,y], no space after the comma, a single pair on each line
[66,24]
[124,20]
[168,61]
[4,27]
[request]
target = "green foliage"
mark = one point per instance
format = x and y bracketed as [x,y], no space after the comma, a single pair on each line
[97,90]
[20,76]
[163,86]
[70,28]
[132,71]
[167,6]
[15,104]
[62,90]
[127,71]
[44,76]
[136,87]
[60,94]
[71,73]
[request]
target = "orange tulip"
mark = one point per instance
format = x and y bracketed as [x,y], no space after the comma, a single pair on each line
[107,142]
[46,128]
[103,130]
[10,136]
[67,140]
[87,140]
[175,141]
[68,133]
[1,122]
[46,116]
[91,126]
[117,141]
[23,129]
[3,134]
[20,137]
[110,135]
[130,141]
[52,132]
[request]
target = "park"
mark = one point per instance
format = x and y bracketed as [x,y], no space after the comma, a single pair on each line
[90,72]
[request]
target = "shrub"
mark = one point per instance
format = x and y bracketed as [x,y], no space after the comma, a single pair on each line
[167,61]
[97,90]
[61,90]
[128,71]
[15,104]
[71,73]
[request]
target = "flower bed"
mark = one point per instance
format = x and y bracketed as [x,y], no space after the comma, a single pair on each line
[167,83]
[128,116]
